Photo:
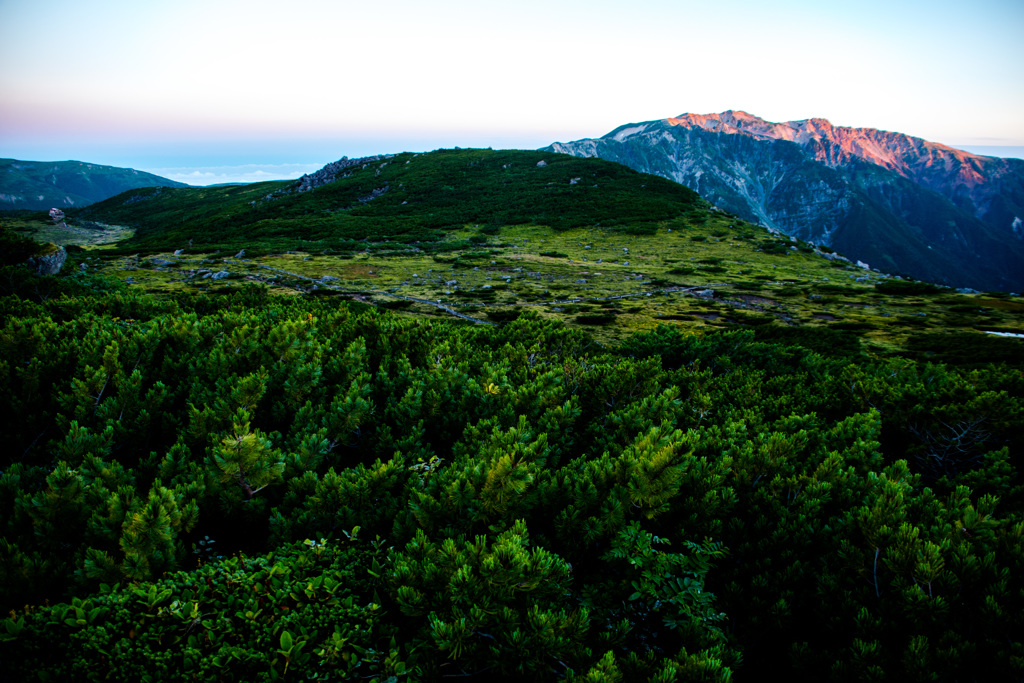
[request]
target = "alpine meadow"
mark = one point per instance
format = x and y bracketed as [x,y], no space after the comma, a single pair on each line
[495,415]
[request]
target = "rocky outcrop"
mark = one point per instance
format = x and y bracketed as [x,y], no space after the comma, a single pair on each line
[974,183]
[330,172]
[50,262]
[900,203]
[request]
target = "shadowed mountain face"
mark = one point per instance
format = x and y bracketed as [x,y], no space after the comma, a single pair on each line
[63,184]
[899,203]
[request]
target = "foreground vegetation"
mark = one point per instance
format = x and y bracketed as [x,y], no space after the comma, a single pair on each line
[251,487]
[683,449]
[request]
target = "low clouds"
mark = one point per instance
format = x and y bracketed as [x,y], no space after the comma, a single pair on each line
[243,173]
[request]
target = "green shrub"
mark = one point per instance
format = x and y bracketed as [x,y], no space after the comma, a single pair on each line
[907,288]
[774,247]
[595,319]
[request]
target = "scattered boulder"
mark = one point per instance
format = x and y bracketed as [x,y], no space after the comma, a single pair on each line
[179,252]
[220,276]
[541,163]
[240,254]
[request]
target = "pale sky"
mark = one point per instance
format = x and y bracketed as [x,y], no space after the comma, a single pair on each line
[204,89]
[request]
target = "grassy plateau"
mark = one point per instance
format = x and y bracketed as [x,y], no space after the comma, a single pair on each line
[490,234]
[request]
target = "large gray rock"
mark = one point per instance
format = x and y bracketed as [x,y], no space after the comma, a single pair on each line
[49,264]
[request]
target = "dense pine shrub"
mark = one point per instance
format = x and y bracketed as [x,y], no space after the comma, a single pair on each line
[245,487]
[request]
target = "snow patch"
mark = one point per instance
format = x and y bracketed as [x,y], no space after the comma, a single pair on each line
[1018,227]
[1006,334]
[628,132]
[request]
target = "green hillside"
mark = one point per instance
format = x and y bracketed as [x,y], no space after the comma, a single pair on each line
[64,184]
[507,434]
[490,235]
[405,198]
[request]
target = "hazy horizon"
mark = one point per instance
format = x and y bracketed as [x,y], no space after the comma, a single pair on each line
[279,164]
[211,84]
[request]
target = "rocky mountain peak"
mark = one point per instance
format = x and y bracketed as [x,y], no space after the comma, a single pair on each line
[931,164]
[919,207]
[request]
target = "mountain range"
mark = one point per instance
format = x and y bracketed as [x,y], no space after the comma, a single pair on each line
[64,184]
[900,203]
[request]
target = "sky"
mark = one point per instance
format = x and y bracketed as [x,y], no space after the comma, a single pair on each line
[206,91]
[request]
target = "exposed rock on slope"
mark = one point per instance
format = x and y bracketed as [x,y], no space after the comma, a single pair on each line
[898,202]
[330,172]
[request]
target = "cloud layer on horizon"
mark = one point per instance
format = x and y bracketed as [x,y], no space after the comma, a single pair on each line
[192,69]
[243,173]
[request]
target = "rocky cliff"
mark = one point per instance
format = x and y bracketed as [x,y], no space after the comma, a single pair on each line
[900,203]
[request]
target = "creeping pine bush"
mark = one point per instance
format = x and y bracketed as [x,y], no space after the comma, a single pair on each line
[253,488]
